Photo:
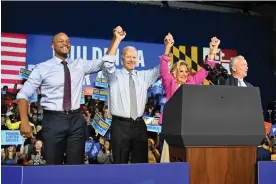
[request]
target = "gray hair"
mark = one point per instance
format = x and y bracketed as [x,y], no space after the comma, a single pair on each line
[128,48]
[232,60]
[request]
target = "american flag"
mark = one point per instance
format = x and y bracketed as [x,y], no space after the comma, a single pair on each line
[13,57]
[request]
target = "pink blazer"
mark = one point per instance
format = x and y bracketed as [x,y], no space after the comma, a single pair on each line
[168,82]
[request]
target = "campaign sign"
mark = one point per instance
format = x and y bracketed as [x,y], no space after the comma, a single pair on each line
[163,100]
[100,125]
[152,124]
[34,97]
[82,100]
[101,83]
[100,94]
[11,137]
[24,73]
[157,90]
[273,130]
[92,148]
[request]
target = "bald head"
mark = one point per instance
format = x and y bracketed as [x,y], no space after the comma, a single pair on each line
[61,45]
[58,35]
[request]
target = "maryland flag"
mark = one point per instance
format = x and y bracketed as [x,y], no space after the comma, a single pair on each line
[195,56]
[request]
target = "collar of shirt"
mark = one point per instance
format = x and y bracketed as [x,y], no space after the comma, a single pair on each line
[125,71]
[58,60]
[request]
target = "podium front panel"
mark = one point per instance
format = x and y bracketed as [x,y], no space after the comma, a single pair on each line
[214,116]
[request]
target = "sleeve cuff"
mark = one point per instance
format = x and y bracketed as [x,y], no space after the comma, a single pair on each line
[21,96]
[165,58]
[210,62]
[109,58]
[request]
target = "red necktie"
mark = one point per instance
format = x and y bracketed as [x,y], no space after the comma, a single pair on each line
[67,88]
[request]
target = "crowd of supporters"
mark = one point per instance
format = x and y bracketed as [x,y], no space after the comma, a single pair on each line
[99,151]
[31,151]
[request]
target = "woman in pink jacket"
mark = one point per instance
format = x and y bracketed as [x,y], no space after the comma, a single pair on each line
[180,72]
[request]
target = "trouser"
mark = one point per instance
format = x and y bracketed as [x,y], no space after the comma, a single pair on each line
[64,132]
[129,140]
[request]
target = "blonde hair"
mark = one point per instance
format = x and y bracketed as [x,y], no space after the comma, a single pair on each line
[176,67]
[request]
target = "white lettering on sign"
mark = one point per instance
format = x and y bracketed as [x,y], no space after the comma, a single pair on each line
[97,52]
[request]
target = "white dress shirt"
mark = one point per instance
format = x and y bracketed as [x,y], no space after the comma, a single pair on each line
[241,83]
[49,76]
[118,80]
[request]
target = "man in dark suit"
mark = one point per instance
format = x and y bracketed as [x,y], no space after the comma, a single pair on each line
[238,68]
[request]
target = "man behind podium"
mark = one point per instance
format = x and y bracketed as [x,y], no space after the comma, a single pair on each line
[238,68]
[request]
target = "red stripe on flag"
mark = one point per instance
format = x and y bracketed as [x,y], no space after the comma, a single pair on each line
[11,81]
[17,45]
[13,63]
[10,72]
[16,54]
[14,35]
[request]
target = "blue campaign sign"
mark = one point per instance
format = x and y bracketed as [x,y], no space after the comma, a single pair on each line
[152,124]
[92,148]
[273,130]
[24,74]
[82,99]
[34,97]
[11,137]
[101,83]
[39,50]
[100,125]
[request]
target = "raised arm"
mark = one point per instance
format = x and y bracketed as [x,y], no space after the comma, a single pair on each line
[165,74]
[199,77]
[152,75]
[109,67]
[107,62]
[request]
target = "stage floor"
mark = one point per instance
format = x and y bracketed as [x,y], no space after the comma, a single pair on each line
[171,173]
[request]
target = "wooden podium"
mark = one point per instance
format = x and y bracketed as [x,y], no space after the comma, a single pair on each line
[220,147]
[216,165]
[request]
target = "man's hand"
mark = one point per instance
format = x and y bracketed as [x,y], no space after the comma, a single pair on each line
[119,33]
[168,40]
[26,129]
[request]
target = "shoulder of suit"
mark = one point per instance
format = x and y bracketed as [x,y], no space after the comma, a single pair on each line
[247,83]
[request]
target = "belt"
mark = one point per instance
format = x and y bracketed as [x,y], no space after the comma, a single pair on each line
[62,112]
[126,119]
